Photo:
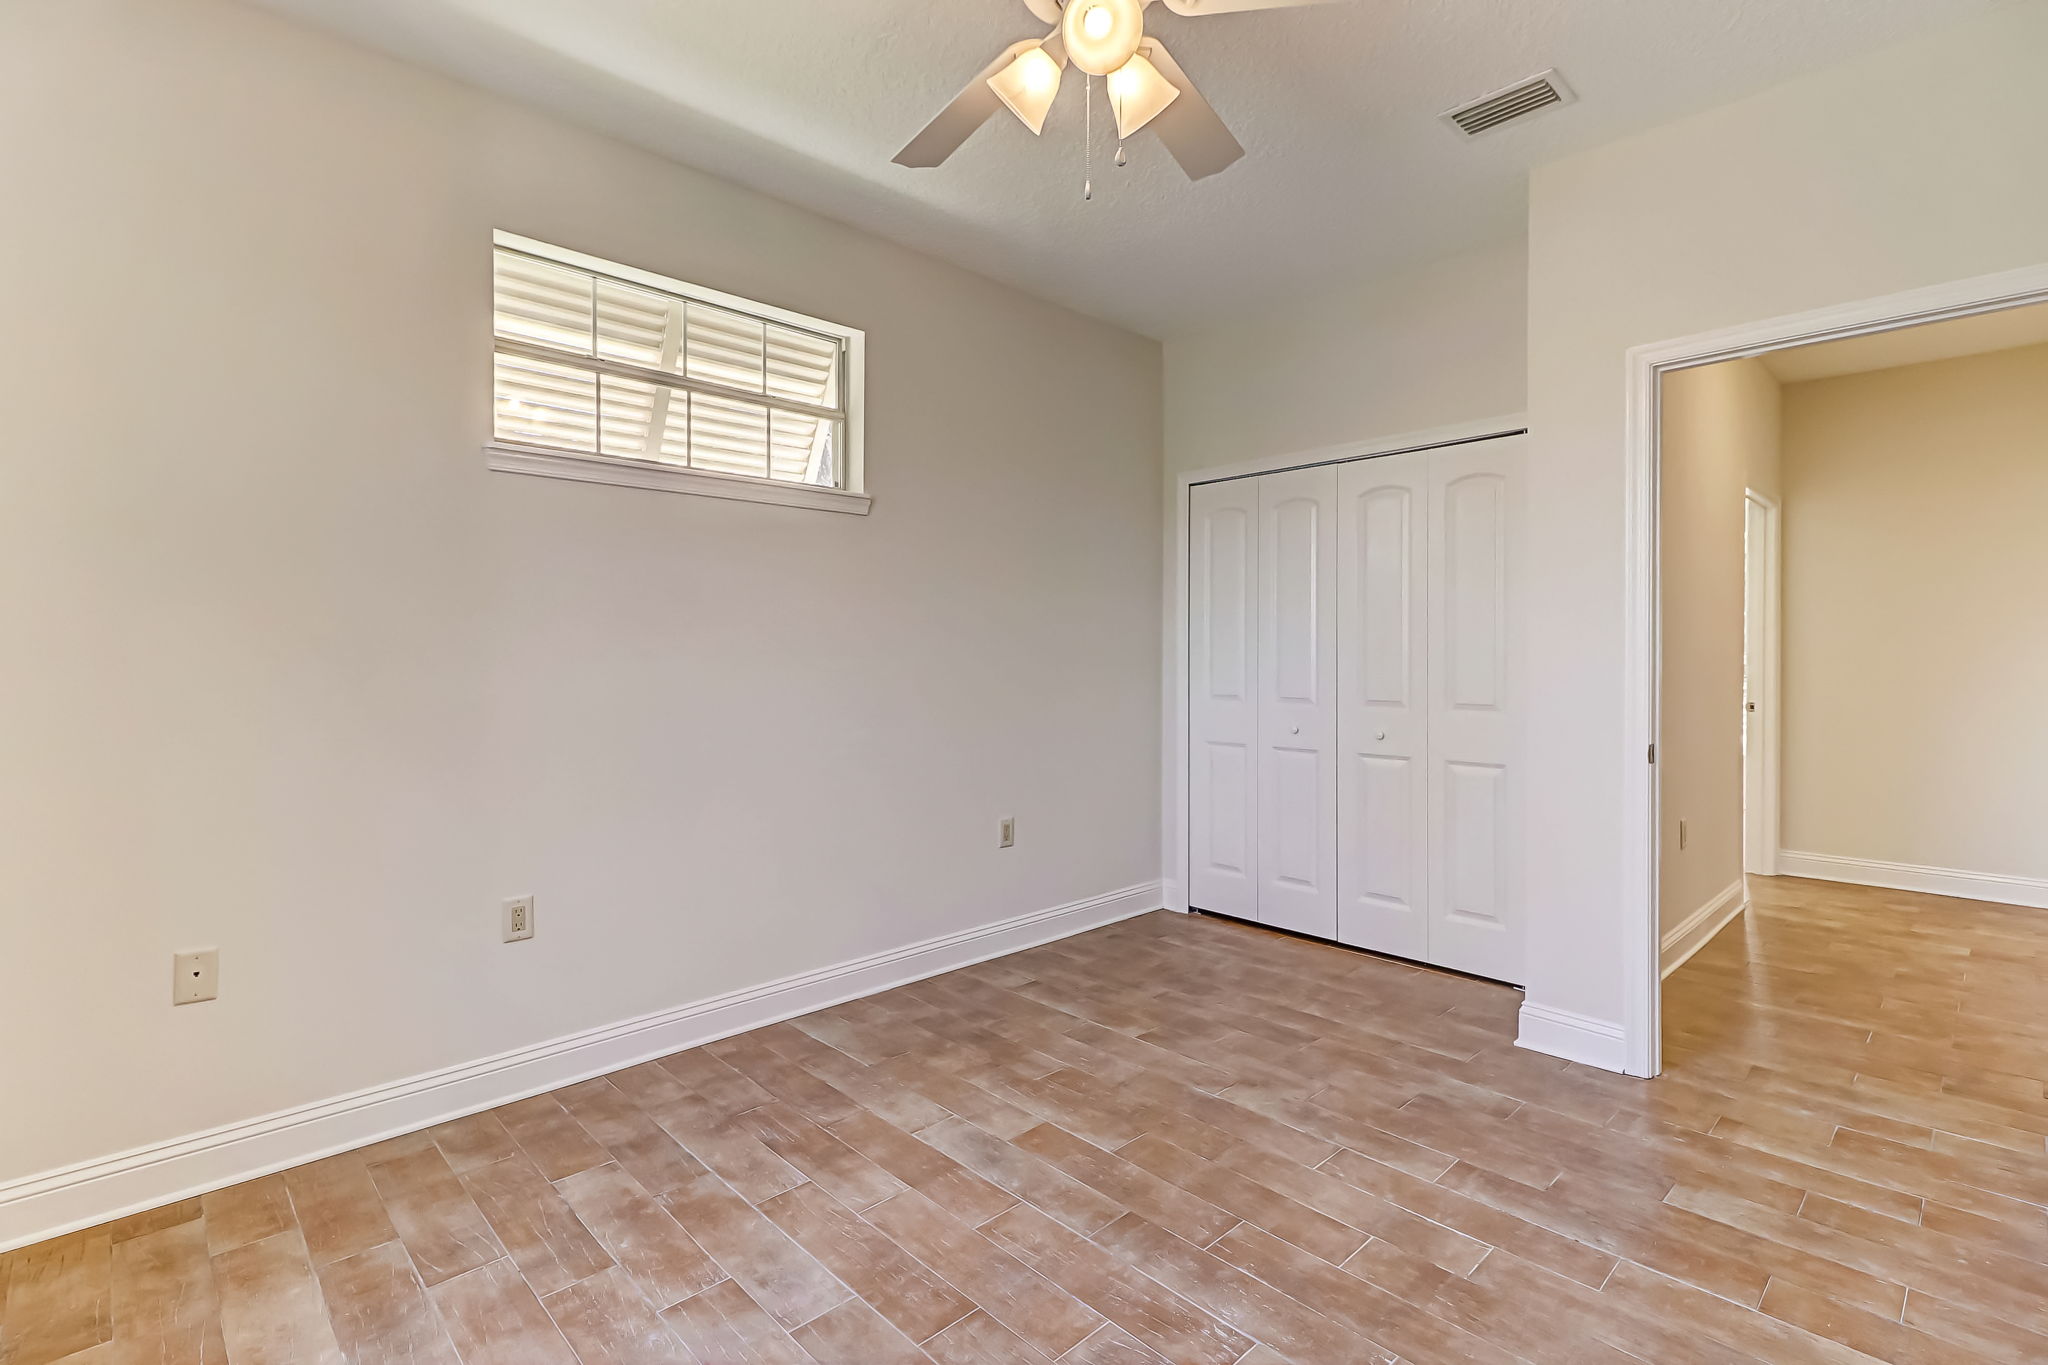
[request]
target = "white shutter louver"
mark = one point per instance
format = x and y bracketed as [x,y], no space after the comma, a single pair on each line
[595,366]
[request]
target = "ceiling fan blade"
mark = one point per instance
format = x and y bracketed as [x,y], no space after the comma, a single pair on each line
[1235,6]
[957,121]
[1190,129]
[1048,10]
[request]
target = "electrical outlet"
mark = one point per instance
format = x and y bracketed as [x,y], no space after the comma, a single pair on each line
[1009,832]
[518,919]
[195,976]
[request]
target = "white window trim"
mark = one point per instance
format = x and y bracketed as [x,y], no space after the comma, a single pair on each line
[545,462]
[668,478]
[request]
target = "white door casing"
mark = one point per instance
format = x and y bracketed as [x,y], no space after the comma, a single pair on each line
[1223,709]
[1297,856]
[1476,921]
[1760,733]
[1383,707]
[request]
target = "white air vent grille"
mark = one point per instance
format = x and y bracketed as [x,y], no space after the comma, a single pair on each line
[1544,90]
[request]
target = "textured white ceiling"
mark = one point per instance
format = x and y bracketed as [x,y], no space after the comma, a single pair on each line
[1349,171]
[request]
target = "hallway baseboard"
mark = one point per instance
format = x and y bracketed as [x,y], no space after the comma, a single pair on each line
[92,1192]
[1697,930]
[1934,881]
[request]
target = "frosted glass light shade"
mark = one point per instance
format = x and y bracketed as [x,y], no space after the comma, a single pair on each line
[1138,94]
[1101,35]
[1027,86]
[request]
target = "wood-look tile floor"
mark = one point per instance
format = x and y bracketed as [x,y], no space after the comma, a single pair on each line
[1184,1140]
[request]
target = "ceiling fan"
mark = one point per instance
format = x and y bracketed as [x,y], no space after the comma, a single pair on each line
[1146,85]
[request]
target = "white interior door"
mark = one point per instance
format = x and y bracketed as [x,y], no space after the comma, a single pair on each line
[1297,856]
[1475,909]
[1223,709]
[1382,707]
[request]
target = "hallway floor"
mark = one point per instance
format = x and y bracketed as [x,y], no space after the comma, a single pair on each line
[1184,1140]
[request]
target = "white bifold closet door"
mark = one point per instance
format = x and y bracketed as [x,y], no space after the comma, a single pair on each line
[1383,706]
[1223,708]
[1426,800]
[1475,904]
[1297,652]
[1351,771]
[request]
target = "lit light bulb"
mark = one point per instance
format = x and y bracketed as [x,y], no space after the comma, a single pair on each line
[1027,86]
[1041,73]
[1101,35]
[1138,94]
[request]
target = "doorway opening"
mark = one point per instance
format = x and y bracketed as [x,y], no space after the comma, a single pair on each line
[1772,657]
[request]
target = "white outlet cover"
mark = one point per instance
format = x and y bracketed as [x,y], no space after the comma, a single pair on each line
[195,976]
[518,919]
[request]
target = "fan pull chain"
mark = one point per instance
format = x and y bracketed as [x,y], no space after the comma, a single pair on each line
[1088,144]
[1116,109]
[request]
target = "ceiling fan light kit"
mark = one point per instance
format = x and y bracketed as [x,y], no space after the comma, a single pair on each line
[1103,38]
[1028,86]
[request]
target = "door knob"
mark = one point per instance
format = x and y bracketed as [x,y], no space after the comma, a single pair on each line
[1381,735]
[1294,729]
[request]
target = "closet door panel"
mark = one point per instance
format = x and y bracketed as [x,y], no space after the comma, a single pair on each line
[1382,720]
[1223,715]
[1475,911]
[1297,701]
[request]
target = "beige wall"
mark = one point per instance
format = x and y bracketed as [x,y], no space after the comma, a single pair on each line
[1916,614]
[1720,436]
[290,673]
[1825,190]
[1439,345]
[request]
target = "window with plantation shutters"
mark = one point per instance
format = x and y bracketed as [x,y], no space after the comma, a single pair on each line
[608,374]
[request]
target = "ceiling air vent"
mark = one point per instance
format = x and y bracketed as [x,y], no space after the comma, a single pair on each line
[1545,90]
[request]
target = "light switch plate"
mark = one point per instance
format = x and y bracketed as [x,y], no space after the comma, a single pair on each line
[195,976]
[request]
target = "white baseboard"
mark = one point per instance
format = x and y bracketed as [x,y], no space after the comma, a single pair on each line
[1699,928]
[1574,1037]
[91,1192]
[1935,881]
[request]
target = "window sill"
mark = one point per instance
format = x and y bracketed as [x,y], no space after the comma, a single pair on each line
[558,464]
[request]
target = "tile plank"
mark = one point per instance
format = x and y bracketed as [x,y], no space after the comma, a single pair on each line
[271,1310]
[641,1235]
[1009,1291]
[380,1312]
[777,1274]
[855,1332]
[888,1278]
[535,1224]
[338,1208]
[436,1218]
[606,1318]
[554,1141]
[1132,1302]
[494,1319]
[59,1298]
[723,1326]
[245,1213]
